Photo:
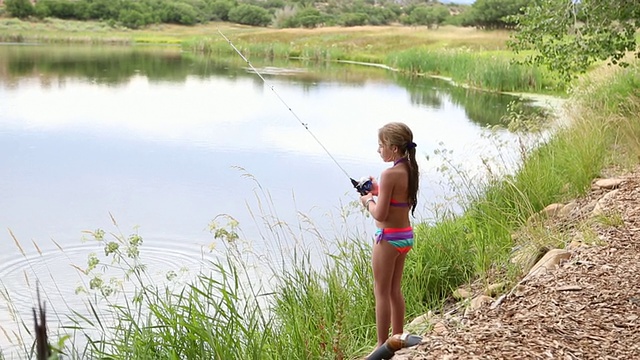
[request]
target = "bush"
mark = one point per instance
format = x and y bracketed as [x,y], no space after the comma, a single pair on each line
[61,9]
[309,18]
[250,15]
[102,10]
[353,19]
[19,8]
[220,9]
[133,19]
[179,13]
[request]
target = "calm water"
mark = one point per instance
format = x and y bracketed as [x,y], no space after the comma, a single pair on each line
[163,140]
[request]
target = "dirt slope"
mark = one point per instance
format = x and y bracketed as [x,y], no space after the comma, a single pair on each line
[586,308]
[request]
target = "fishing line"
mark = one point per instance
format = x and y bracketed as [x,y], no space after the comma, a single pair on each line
[363,186]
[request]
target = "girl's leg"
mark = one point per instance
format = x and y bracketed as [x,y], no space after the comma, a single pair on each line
[396,298]
[383,260]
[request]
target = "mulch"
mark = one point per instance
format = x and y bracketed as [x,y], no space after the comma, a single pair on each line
[588,308]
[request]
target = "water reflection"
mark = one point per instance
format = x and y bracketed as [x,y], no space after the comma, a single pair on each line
[119,65]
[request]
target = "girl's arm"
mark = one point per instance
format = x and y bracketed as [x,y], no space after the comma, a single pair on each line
[380,209]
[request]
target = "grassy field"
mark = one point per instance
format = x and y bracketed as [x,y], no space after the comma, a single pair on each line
[374,39]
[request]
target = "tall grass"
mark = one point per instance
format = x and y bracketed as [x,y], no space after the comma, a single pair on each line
[490,70]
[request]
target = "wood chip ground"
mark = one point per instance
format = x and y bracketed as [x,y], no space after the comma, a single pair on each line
[588,308]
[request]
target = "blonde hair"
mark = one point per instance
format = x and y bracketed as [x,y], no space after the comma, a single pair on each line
[400,135]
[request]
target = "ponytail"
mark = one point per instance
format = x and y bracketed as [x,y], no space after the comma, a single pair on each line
[414,178]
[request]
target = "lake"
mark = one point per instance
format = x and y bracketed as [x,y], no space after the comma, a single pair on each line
[165,141]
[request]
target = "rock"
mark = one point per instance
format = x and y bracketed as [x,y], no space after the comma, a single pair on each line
[422,320]
[461,294]
[574,244]
[440,328]
[520,290]
[611,183]
[548,262]
[479,301]
[567,209]
[494,289]
[551,210]
[527,255]
[598,209]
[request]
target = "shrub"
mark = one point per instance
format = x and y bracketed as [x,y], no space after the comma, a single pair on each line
[220,9]
[250,15]
[353,19]
[179,13]
[19,8]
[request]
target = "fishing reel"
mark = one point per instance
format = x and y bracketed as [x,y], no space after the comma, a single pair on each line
[363,186]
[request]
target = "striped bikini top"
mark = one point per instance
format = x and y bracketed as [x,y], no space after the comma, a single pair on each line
[398,204]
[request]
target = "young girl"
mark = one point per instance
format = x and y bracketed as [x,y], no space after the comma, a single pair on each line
[396,196]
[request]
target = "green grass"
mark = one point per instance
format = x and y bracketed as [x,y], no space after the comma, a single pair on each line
[494,71]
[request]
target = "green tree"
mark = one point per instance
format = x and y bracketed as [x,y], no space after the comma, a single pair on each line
[569,36]
[220,9]
[102,9]
[428,15]
[495,14]
[353,19]
[179,13]
[19,8]
[309,18]
[61,9]
[250,15]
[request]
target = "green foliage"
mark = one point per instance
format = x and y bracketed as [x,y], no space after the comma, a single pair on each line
[467,67]
[353,19]
[431,16]
[495,14]
[19,8]
[102,9]
[250,15]
[61,9]
[309,18]
[570,36]
[179,13]
[220,9]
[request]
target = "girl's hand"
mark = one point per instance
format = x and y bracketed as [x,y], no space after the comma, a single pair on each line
[365,198]
[374,186]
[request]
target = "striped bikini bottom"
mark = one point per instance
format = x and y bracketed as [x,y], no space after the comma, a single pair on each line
[400,238]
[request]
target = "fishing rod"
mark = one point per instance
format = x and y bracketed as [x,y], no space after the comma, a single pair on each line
[364,185]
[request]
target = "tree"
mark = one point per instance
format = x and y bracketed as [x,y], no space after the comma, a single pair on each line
[495,14]
[250,15]
[309,18]
[571,35]
[431,16]
[19,8]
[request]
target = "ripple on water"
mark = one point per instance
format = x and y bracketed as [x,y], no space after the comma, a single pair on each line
[57,272]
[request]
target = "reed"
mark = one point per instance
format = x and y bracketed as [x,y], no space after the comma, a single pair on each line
[489,70]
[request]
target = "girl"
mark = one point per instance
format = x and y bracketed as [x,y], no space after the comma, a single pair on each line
[397,195]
